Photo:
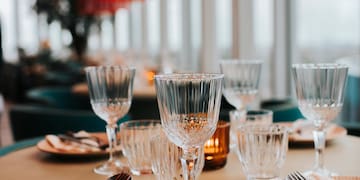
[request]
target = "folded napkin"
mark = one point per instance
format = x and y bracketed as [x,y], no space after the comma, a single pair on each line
[80,142]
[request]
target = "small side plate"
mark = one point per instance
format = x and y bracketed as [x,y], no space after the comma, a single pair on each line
[46,147]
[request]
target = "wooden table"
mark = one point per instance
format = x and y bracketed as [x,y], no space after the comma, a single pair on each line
[342,156]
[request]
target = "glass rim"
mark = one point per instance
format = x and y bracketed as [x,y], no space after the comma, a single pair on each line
[140,121]
[263,129]
[320,66]
[238,110]
[259,112]
[188,76]
[241,61]
[262,112]
[120,67]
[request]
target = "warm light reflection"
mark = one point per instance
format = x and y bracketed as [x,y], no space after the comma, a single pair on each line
[150,76]
[217,147]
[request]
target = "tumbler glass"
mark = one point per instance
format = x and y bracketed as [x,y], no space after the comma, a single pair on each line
[165,157]
[261,150]
[135,136]
[254,117]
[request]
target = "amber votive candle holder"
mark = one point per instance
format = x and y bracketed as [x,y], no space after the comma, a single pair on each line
[217,148]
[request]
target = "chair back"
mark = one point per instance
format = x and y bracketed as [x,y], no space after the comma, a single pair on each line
[59,97]
[33,121]
[283,109]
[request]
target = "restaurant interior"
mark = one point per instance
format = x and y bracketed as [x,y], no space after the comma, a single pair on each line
[50,48]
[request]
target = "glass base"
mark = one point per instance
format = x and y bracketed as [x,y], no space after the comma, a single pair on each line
[319,173]
[110,168]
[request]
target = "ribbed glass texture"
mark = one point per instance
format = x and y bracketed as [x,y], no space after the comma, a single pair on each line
[241,81]
[189,106]
[135,136]
[262,150]
[110,90]
[320,90]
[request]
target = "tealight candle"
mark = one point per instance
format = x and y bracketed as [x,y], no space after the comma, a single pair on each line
[217,147]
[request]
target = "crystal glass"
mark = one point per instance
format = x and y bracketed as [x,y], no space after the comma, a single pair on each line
[320,95]
[135,138]
[189,107]
[110,90]
[254,117]
[165,157]
[259,117]
[262,150]
[241,81]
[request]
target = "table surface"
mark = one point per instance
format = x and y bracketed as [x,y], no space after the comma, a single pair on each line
[341,156]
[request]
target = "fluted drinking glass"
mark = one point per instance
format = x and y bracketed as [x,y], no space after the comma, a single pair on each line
[320,95]
[241,81]
[189,106]
[262,150]
[110,90]
[241,84]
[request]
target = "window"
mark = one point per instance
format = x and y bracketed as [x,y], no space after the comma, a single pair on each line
[7,20]
[277,31]
[326,29]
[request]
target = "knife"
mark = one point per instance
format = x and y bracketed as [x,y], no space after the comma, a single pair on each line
[88,142]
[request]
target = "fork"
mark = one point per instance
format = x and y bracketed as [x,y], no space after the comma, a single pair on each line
[295,176]
[121,176]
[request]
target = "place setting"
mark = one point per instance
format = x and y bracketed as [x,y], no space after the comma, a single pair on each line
[189,139]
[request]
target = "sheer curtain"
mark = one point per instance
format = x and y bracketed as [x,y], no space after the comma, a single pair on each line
[192,35]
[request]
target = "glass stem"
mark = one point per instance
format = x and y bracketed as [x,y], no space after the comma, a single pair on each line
[319,141]
[188,161]
[111,135]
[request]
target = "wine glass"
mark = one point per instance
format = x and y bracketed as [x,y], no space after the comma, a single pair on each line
[241,81]
[241,84]
[320,94]
[189,106]
[110,89]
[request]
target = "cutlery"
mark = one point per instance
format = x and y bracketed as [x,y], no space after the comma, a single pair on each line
[87,142]
[295,176]
[121,176]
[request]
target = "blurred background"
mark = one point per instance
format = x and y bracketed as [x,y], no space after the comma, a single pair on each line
[46,43]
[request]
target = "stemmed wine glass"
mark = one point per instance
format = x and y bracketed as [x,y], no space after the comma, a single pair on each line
[241,84]
[320,94]
[241,81]
[189,106]
[110,89]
